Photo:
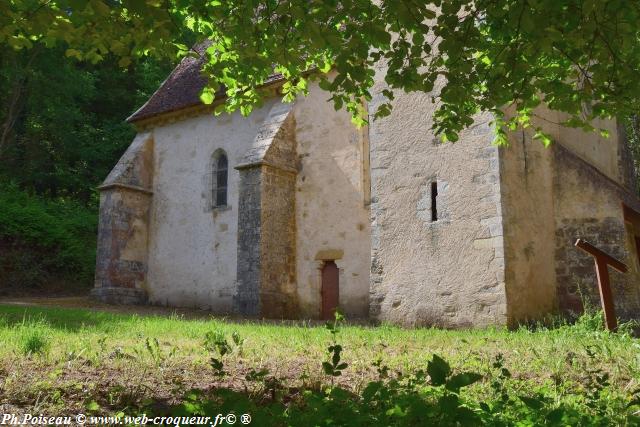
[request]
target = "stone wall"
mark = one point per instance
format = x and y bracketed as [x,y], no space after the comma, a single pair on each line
[247,296]
[552,196]
[332,210]
[497,250]
[447,272]
[193,248]
[216,258]
[303,202]
[121,256]
[278,292]
[588,205]
[125,198]
[266,222]
[526,172]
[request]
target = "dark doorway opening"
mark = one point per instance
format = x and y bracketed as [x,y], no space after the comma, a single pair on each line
[330,290]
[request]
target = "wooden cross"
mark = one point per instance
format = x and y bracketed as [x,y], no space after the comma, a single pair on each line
[603,260]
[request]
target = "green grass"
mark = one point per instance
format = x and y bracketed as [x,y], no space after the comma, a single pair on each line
[34,341]
[65,358]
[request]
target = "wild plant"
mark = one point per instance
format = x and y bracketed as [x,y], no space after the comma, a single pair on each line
[158,356]
[334,365]
[216,342]
[268,384]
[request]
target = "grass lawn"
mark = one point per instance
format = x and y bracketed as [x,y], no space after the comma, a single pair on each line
[66,361]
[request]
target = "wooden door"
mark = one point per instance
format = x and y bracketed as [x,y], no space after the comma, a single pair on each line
[330,290]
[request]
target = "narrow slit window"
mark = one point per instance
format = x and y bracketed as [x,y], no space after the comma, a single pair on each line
[220,180]
[434,201]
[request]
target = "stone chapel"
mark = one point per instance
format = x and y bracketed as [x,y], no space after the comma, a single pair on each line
[293,212]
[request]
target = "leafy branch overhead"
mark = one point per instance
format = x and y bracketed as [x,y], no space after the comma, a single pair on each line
[582,57]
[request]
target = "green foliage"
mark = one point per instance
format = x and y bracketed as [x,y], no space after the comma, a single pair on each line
[93,29]
[580,56]
[334,366]
[43,240]
[438,396]
[217,343]
[154,350]
[561,376]
[34,341]
[62,129]
[590,321]
[438,370]
[63,139]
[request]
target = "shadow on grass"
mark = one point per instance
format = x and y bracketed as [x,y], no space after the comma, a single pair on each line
[68,319]
[74,319]
[415,402]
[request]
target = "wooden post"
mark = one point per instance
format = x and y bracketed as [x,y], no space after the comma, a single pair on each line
[602,261]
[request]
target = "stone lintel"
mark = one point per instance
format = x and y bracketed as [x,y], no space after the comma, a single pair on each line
[329,255]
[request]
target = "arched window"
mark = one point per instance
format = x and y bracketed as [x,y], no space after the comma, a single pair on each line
[220,178]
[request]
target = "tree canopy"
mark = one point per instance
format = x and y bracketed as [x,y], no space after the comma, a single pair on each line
[62,123]
[581,57]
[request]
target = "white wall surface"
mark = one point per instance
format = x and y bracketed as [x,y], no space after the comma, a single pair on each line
[193,249]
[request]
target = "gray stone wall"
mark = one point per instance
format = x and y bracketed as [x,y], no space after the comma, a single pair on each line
[332,214]
[118,211]
[575,270]
[121,252]
[553,196]
[529,228]
[247,298]
[625,161]
[193,249]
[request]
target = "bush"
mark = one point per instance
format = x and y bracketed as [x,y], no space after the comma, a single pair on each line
[43,241]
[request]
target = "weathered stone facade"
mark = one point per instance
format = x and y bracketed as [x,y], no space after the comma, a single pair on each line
[296,198]
[267,231]
[445,270]
[247,297]
[422,233]
[602,223]
[123,228]
[552,196]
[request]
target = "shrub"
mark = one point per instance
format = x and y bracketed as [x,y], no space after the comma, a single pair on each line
[41,240]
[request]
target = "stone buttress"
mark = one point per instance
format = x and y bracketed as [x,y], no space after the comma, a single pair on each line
[266,221]
[125,198]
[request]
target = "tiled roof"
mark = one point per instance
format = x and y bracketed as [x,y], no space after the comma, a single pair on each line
[181,89]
